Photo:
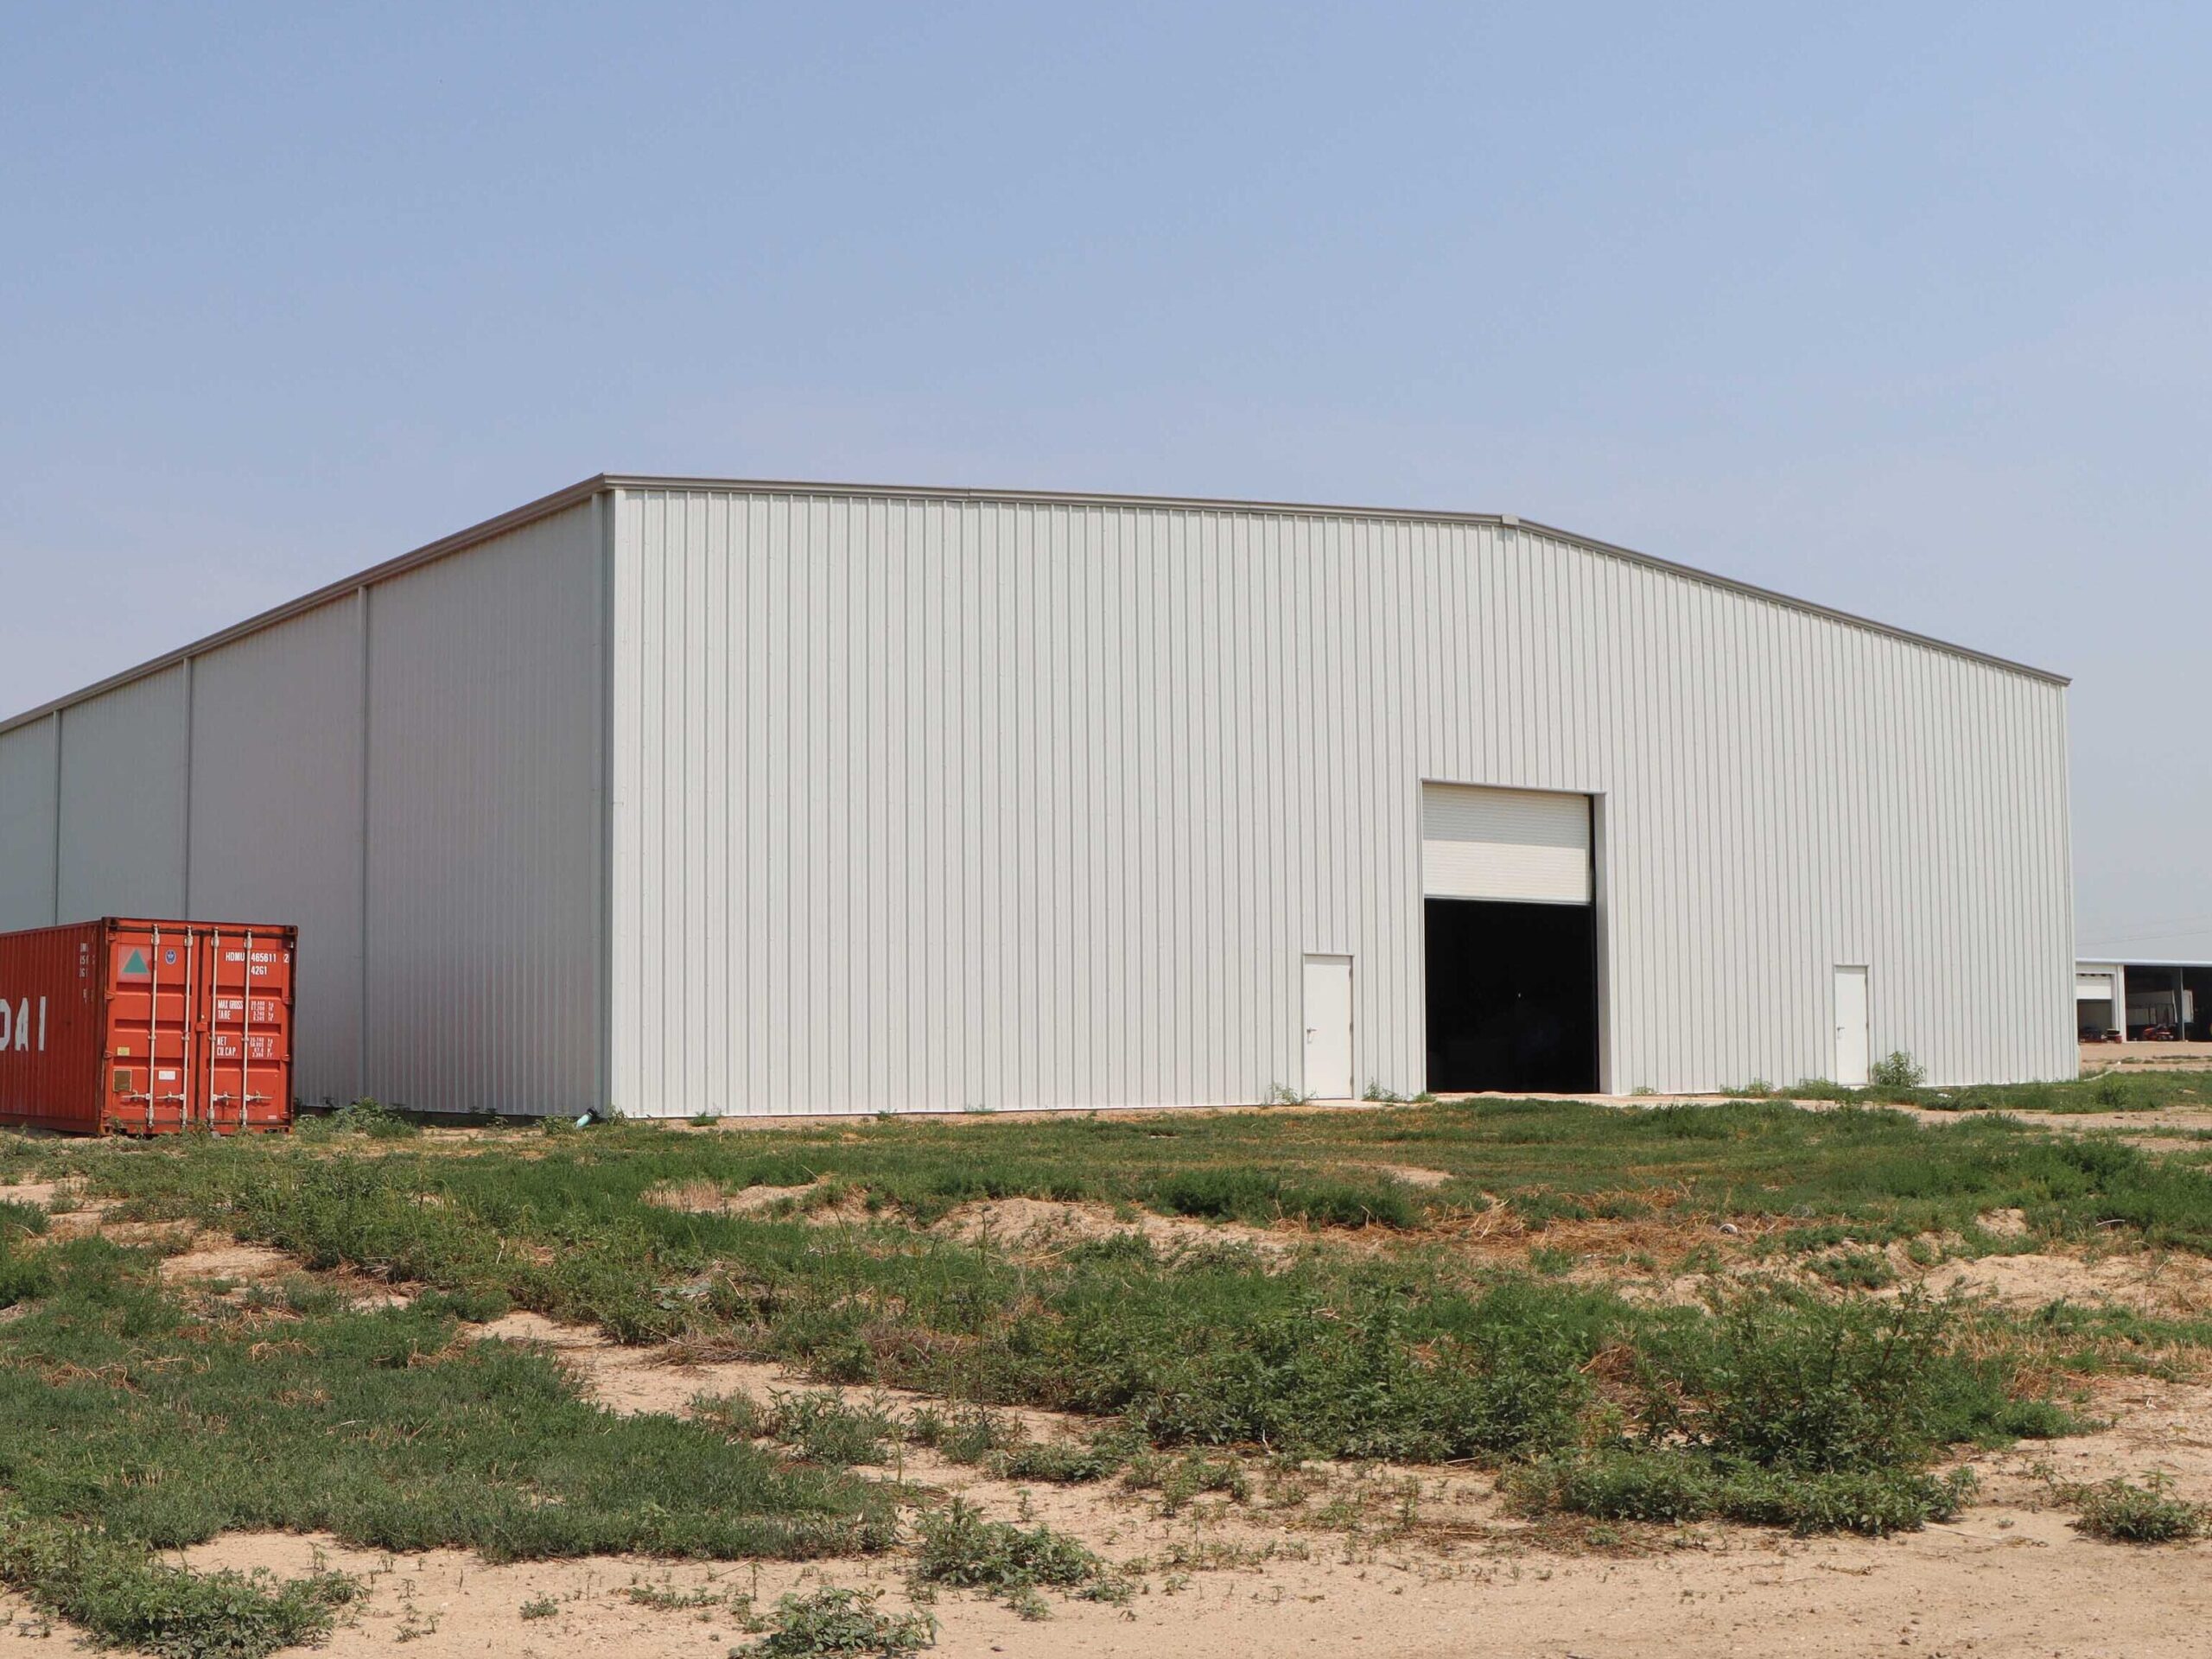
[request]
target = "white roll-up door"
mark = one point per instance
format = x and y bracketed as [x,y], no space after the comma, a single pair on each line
[1523,844]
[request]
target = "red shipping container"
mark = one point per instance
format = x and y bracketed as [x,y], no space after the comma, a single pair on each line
[142,1027]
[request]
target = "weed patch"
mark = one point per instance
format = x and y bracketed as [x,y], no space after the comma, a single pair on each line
[833,1624]
[1788,1411]
[2120,1511]
[819,1426]
[362,1117]
[961,1550]
[122,1596]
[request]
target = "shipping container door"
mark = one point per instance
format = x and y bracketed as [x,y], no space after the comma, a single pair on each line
[246,1077]
[154,976]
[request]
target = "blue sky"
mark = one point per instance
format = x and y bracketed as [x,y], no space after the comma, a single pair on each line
[1902,308]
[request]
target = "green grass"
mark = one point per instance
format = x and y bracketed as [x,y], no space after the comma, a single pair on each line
[143,1419]
[1404,1353]
[1552,1161]
[2116,1091]
[168,1424]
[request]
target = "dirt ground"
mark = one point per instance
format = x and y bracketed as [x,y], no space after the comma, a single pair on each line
[2011,1578]
[2005,1581]
[2134,1057]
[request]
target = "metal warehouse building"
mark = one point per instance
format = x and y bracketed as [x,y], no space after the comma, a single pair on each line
[696,796]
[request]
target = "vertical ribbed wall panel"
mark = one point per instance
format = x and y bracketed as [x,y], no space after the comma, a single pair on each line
[938,802]
[27,824]
[122,786]
[485,825]
[277,816]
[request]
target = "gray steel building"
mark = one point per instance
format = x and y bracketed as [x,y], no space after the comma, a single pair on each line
[700,796]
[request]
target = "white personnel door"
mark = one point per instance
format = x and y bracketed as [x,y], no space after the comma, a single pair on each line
[1328,1027]
[1851,1053]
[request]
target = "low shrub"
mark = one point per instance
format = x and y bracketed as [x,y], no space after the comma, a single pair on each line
[818,1426]
[365,1117]
[123,1596]
[1856,1270]
[961,1550]
[1178,1480]
[1065,1463]
[1786,1381]
[1784,1409]
[1671,1486]
[833,1624]
[963,1434]
[2120,1512]
[1895,1070]
[469,1306]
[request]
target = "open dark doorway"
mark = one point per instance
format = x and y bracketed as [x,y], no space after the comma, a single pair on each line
[1512,996]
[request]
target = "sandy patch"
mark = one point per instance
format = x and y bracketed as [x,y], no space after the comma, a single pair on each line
[39,1194]
[1499,1232]
[2171,1284]
[701,1197]
[2124,1057]
[80,1215]
[1039,1227]
[219,1258]
[2152,1427]
[1413,1174]
[633,1380]
[2170,1124]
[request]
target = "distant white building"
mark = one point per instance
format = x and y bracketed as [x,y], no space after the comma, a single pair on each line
[2173,996]
[690,795]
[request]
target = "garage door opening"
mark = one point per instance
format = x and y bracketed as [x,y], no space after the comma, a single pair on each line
[1512,939]
[1512,996]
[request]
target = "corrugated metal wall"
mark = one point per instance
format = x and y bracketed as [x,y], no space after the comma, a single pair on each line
[122,801]
[945,802]
[486,824]
[27,842]
[277,816]
[435,829]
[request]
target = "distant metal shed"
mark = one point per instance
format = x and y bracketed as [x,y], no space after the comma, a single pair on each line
[701,796]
